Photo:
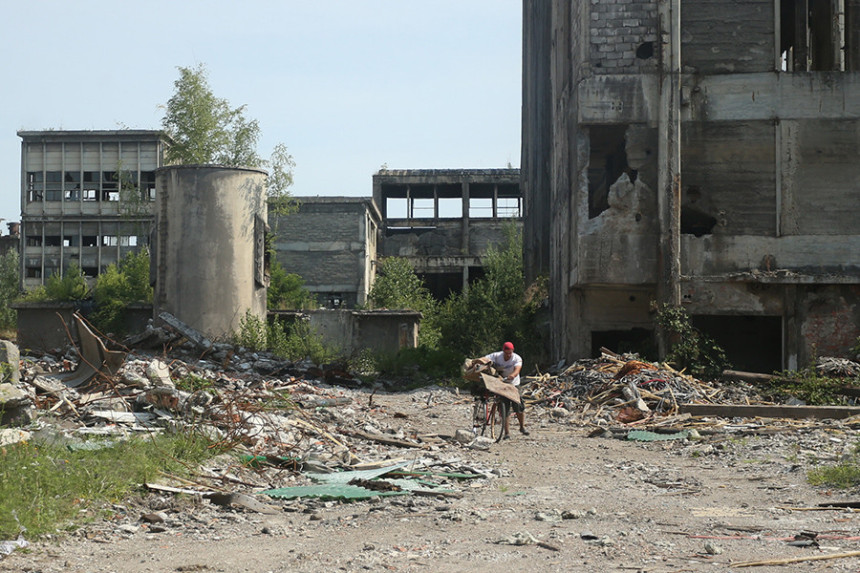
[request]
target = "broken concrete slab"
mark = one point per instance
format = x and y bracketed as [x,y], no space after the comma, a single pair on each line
[769,411]
[10,359]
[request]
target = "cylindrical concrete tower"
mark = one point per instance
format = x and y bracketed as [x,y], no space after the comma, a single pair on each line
[209,246]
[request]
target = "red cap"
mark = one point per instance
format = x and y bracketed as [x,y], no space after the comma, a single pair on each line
[508,346]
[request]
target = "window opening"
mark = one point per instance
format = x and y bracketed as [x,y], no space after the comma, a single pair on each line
[606,163]
[812,35]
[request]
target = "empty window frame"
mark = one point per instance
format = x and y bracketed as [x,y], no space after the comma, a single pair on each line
[91,185]
[53,185]
[110,186]
[35,186]
[606,162]
[813,35]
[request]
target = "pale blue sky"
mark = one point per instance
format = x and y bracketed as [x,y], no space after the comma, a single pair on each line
[346,85]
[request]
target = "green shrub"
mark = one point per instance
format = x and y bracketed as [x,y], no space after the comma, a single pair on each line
[810,386]
[119,285]
[252,332]
[9,276]
[70,287]
[287,291]
[690,348]
[297,340]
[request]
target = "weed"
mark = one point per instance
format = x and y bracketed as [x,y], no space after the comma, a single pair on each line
[252,332]
[809,386]
[842,475]
[689,347]
[192,383]
[48,485]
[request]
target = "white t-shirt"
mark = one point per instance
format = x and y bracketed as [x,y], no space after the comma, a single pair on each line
[506,366]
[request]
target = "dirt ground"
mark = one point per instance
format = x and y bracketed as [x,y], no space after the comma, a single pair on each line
[559,501]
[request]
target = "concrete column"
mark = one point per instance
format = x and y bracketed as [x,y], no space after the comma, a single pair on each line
[669,154]
[669,149]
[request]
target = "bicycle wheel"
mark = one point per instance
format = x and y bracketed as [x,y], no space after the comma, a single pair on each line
[487,416]
[502,410]
[478,415]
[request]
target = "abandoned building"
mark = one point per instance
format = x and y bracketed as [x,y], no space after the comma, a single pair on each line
[444,220]
[331,243]
[695,153]
[72,183]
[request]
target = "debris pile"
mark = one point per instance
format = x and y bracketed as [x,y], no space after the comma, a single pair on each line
[631,388]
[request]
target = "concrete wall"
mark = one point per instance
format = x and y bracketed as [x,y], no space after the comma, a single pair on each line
[210,245]
[350,331]
[331,243]
[769,171]
[448,219]
[41,330]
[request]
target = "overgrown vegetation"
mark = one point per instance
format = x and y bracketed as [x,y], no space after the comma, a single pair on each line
[842,475]
[287,290]
[9,277]
[121,283]
[495,308]
[809,386]
[293,340]
[690,348]
[68,287]
[48,487]
[206,129]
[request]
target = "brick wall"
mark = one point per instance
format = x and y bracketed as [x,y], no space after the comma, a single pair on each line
[618,29]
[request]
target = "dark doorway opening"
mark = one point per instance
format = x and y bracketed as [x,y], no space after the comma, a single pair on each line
[752,343]
[638,340]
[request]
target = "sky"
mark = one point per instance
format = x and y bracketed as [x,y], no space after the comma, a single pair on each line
[348,86]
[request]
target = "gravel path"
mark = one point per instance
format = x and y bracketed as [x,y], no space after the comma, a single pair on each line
[557,500]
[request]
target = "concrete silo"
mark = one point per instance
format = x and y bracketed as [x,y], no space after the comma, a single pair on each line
[209,246]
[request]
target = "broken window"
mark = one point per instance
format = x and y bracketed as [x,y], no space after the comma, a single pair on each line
[91,185]
[812,35]
[109,240]
[261,254]
[110,186]
[147,185]
[53,185]
[52,240]
[89,240]
[35,186]
[72,186]
[607,161]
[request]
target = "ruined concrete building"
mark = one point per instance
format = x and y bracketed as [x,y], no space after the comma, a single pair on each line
[87,198]
[697,153]
[443,220]
[330,242]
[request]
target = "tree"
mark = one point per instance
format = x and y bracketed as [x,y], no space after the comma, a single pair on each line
[9,276]
[287,290]
[206,129]
[398,287]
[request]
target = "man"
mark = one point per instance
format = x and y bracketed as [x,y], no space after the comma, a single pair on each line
[509,365]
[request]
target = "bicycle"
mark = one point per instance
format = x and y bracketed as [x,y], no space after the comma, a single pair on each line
[489,410]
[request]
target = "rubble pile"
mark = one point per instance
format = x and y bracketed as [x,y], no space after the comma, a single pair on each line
[633,388]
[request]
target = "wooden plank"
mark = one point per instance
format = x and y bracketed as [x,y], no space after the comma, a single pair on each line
[769,411]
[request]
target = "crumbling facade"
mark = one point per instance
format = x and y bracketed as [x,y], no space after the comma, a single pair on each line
[331,242]
[87,198]
[696,153]
[444,220]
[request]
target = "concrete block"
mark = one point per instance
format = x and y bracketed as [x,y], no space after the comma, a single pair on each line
[11,357]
